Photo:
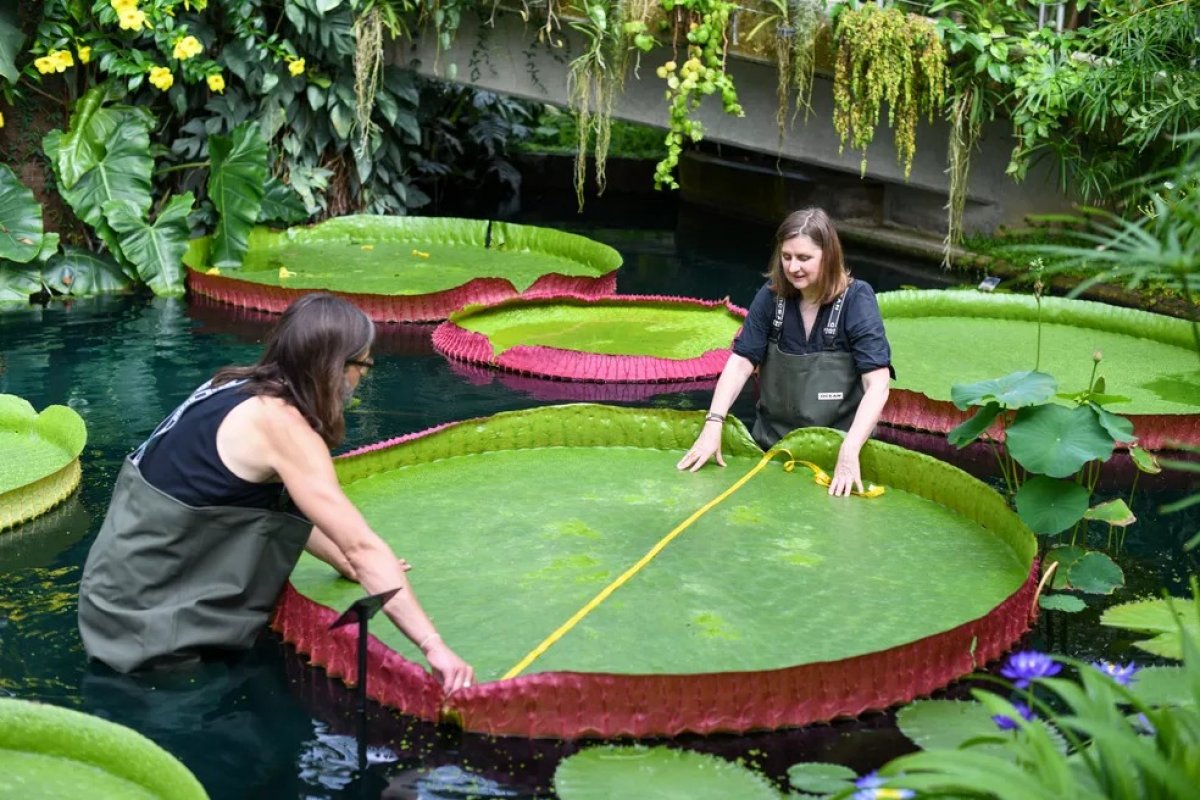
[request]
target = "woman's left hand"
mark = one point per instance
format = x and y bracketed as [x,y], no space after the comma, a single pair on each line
[846,475]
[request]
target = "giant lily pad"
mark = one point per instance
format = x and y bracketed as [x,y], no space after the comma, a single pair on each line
[405,269]
[705,635]
[618,339]
[48,752]
[601,773]
[41,458]
[943,338]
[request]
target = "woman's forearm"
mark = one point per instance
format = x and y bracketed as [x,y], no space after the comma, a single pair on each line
[323,548]
[737,371]
[875,397]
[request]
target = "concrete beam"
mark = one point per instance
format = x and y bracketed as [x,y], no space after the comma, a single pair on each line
[507,58]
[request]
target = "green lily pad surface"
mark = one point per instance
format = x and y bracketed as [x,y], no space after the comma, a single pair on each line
[940,338]
[609,772]
[616,327]
[410,255]
[514,523]
[36,448]
[47,752]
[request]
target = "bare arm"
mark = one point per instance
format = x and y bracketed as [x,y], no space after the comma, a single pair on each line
[300,458]
[323,548]
[737,371]
[846,475]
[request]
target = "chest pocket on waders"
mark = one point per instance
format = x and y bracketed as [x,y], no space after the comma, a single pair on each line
[821,389]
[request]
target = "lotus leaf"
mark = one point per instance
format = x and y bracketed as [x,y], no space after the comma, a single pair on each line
[1067,603]
[1057,441]
[1113,512]
[1050,506]
[47,751]
[605,772]
[1095,573]
[1017,390]
[817,778]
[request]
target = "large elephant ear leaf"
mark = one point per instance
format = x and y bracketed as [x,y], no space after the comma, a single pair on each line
[17,283]
[11,40]
[81,273]
[20,219]
[236,185]
[118,167]
[156,250]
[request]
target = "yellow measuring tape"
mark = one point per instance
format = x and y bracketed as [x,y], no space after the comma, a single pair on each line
[819,476]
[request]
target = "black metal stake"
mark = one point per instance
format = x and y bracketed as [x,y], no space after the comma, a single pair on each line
[361,611]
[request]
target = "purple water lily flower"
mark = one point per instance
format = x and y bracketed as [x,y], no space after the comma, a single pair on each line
[1023,667]
[1007,723]
[1121,673]
[870,787]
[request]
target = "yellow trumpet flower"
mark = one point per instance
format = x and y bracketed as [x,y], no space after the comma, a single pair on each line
[162,78]
[285,273]
[420,254]
[216,82]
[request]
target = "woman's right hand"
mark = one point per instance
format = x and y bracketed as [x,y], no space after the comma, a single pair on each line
[707,445]
[448,668]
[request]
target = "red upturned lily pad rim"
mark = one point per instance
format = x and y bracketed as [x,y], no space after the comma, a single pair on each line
[432,307]
[459,344]
[911,409]
[569,705]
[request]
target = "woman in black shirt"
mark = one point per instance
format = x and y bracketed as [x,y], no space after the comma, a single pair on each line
[816,337]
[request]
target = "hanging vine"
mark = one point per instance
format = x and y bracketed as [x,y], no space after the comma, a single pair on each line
[368,69]
[705,27]
[597,77]
[886,56]
[797,24]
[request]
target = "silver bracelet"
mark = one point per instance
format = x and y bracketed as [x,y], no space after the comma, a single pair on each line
[713,416]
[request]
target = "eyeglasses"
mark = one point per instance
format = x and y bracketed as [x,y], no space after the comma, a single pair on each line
[364,364]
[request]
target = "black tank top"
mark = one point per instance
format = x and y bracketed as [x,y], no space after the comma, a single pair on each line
[185,464]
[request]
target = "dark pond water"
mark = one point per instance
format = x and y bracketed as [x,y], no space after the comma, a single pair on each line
[268,726]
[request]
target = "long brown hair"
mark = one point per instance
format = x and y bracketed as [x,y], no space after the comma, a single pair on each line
[816,225]
[305,360]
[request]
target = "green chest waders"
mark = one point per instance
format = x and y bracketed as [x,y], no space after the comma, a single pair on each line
[821,389]
[165,580]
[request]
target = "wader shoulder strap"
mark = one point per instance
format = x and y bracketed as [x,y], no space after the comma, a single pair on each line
[206,390]
[831,325]
[777,320]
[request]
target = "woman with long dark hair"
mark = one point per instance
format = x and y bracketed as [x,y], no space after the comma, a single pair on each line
[209,516]
[816,338]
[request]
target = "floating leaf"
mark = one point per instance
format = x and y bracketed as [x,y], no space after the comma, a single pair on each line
[1144,460]
[1064,557]
[605,772]
[1095,573]
[1114,512]
[1050,506]
[1017,390]
[1057,441]
[1062,602]
[818,778]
